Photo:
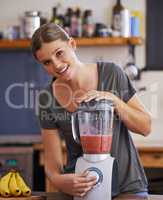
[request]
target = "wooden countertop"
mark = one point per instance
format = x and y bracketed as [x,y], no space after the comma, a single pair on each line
[149,145]
[150,152]
[61,196]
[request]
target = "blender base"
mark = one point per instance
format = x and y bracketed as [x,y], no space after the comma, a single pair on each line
[102,169]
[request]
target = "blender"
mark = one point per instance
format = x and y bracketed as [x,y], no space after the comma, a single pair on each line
[92,126]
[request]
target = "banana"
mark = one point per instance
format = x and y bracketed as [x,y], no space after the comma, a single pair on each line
[26,191]
[13,187]
[4,185]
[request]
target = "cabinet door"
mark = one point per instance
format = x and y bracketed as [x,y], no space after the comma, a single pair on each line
[154,33]
[21,79]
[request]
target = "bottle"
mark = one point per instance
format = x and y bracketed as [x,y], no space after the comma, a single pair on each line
[125,23]
[67,20]
[74,25]
[57,18]
[116,17]
[88,24]
[135,23]
[79,21]
[120,20]
[31,22]
[43,19]
[54,17]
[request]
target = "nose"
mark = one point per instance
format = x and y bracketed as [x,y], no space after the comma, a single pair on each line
[56,62]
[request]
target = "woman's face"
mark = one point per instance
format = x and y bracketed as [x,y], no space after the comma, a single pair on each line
[58,58]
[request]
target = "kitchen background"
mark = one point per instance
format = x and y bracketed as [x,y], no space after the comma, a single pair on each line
[12,63]
[12,12]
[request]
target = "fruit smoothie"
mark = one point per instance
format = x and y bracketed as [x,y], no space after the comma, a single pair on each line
[95,144]
[106,142]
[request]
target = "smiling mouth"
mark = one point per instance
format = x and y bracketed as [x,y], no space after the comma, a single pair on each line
[62,71]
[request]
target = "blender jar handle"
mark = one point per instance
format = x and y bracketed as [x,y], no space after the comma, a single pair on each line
[75,136]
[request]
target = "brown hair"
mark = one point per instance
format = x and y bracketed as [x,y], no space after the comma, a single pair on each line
[47,33]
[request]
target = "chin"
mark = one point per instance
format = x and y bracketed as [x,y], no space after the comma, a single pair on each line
[67,77]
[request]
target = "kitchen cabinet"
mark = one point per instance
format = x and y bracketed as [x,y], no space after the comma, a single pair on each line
[151,153]
[49,187]
[17,157]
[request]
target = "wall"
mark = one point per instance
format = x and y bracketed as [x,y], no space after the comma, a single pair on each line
[101,8]
[152,98]
[12,11]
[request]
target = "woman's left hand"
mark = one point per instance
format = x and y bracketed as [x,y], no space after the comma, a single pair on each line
[97,95]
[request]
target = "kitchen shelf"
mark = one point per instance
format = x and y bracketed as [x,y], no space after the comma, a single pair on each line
[108,41]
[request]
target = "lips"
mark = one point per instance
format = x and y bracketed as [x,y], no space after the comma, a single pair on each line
[63,70]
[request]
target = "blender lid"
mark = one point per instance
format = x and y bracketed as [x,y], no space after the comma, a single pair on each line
[93,105]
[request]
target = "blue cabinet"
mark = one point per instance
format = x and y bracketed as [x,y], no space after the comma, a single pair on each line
[21,79]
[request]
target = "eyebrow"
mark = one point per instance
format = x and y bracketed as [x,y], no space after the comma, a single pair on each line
[56,50]
[43,61]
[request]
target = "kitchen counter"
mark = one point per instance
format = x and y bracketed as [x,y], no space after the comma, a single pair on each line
[61,196]
[151,155]
[150,152]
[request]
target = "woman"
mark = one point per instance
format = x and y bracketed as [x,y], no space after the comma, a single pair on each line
[74,82]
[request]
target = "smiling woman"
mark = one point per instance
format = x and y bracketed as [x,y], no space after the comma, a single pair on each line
[75,82]
[57,61]
[54,51]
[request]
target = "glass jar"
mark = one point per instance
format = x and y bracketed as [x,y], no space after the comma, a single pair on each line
[31,23]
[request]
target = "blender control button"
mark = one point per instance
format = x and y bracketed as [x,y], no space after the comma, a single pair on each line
[94,173]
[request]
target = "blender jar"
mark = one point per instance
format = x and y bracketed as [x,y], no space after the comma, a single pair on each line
[95,122]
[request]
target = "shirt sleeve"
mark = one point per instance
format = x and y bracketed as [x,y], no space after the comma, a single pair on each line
[125,87]
[46,114]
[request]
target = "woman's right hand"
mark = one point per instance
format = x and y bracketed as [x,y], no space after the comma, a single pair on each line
[76,184]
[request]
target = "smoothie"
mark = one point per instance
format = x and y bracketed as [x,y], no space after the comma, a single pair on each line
[95,144]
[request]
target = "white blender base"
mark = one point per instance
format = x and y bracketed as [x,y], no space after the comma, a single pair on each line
[103,170]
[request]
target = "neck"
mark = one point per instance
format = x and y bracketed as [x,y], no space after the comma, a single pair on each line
[86,78]
[83,80]
[118,2]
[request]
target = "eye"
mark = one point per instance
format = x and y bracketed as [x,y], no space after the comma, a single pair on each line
[47,62]
[59,53]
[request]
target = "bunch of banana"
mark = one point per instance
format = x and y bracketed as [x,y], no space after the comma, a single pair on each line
[25,190]
[4,185]
[12,184]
